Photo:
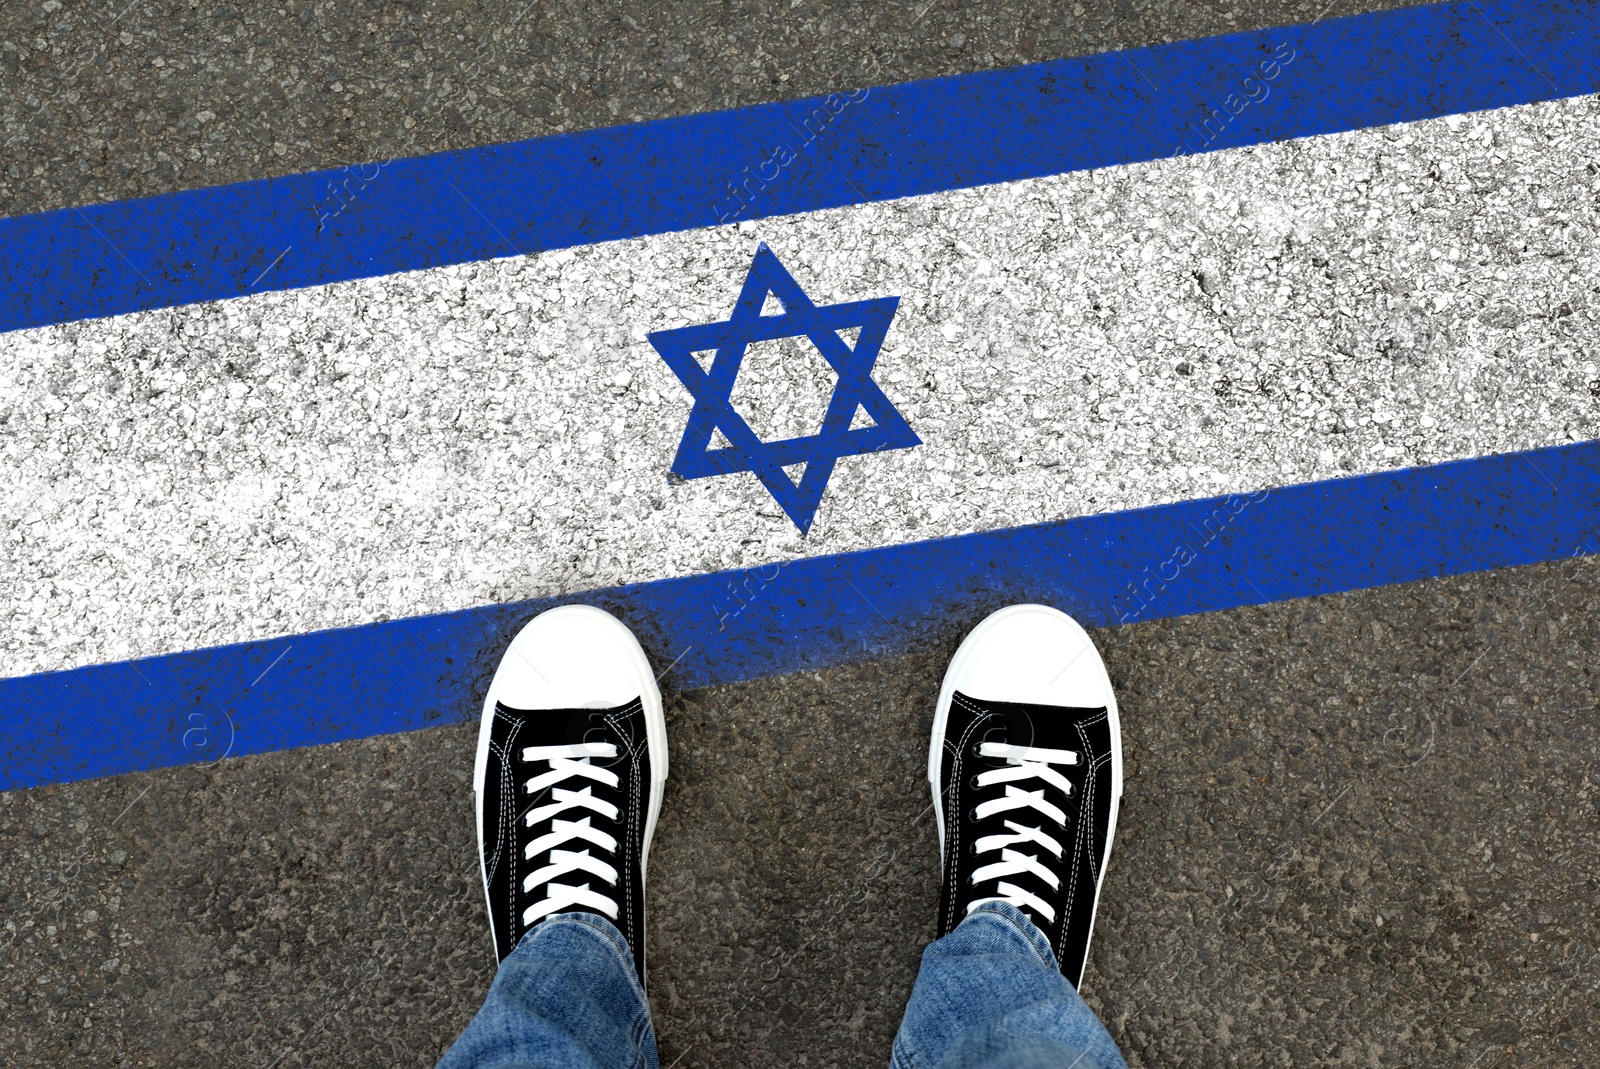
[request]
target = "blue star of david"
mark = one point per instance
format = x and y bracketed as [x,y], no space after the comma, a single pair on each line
[713,388]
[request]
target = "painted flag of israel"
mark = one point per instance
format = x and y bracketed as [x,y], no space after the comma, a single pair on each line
[1141,334]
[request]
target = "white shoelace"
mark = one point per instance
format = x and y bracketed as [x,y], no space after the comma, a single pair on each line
[568,763]
[1023,763]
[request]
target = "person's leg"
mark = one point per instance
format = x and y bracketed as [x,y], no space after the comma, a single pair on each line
[566,998]
[990,995]
[1025,764]
[572,758]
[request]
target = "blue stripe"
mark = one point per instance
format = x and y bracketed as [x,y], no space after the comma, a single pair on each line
[677,174]
[1195,556]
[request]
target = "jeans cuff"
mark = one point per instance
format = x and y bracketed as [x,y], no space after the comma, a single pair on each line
[595,926]
[1018,922]
[603,927]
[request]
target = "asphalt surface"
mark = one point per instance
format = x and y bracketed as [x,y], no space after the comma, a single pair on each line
[1357,830]
[107,99]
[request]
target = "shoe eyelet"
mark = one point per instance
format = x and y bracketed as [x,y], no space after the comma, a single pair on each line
[972,815]
[974,783]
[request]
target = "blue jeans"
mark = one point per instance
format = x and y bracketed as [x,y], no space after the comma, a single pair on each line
[989,996]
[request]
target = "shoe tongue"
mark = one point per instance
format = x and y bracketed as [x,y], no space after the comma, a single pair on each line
[572,727]
[1048,726]
[586,725]
[1004,723]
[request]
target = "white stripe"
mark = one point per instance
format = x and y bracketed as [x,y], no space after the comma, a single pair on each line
[502,430]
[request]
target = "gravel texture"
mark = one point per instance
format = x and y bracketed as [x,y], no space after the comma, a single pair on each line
[1095,341]
[1357,830]
[121,98]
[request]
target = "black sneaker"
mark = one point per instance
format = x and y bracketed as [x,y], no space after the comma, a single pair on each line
[1026,768]
[572,760]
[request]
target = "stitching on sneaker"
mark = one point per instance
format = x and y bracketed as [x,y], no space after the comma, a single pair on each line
[1083,844]
[952,847]
[1092,784]
[635,839]
[504,753]
[507,824]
